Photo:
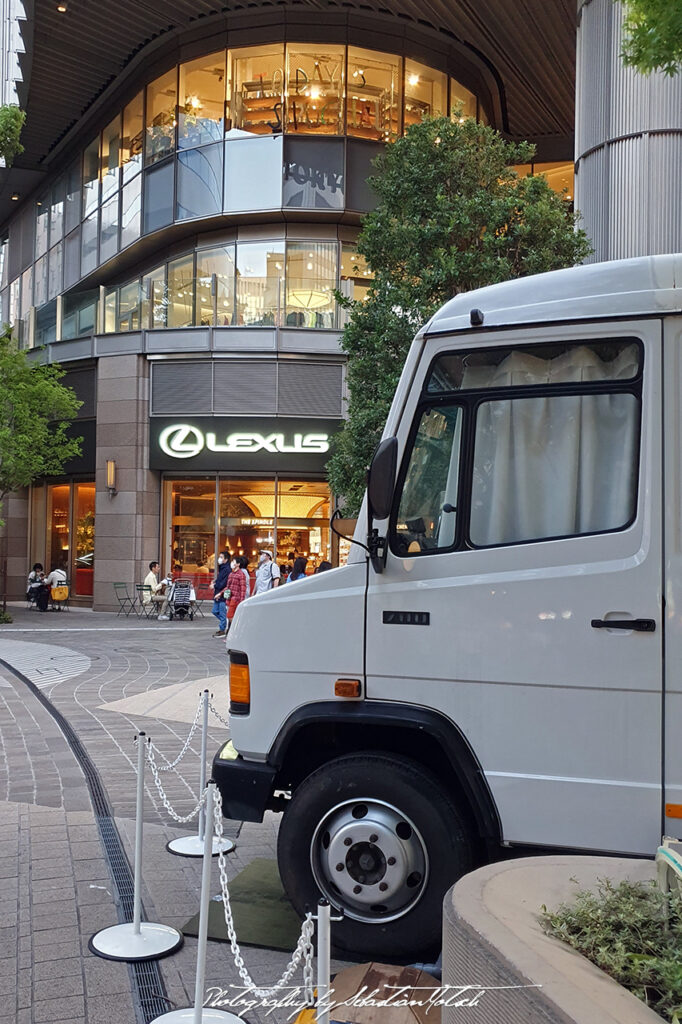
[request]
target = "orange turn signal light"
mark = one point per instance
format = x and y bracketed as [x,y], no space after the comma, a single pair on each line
[240,684]
[347,688]
[673,810]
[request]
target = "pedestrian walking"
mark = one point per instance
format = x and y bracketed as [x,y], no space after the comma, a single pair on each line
[236,586]
[220,592]
[267,573]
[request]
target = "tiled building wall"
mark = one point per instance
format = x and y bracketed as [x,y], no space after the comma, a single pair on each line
[127,524]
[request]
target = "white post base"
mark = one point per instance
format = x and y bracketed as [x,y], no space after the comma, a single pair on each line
[208,1016]
[119,942]
[193,846]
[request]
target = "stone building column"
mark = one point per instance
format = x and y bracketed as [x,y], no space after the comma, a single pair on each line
[127,524]
[628,144]
[14,534]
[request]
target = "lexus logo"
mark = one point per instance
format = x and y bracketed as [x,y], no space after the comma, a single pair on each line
[183,441]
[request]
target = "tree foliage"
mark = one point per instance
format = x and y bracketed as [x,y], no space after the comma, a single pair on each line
[35,413]
[11,122]
[652,35]
[452,215]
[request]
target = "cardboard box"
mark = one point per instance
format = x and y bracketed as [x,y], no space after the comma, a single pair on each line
[384,994]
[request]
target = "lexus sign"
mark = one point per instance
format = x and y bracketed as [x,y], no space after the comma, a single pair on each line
[225,443]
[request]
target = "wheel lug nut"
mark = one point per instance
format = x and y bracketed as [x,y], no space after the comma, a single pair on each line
[347,842]
[357,889]
[339,867]
[373,838]
[382,887]
[391,861]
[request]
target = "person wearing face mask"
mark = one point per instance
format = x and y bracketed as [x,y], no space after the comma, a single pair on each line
[267,573]
[220,587]
[236,586]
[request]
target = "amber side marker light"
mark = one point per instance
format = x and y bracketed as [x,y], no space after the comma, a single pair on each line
[673,810]
[347,688]
[240,688]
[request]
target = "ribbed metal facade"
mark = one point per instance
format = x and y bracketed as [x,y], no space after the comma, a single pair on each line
[628,144]
[248,387]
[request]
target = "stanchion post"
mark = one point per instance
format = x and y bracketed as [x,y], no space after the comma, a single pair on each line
[202,770]
[193,846]
[139,823]
[137,939]
[205,895]
[323,960]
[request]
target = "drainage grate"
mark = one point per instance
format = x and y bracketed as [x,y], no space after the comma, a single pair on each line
[148,984]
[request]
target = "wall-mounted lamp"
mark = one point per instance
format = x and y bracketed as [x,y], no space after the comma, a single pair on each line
[111,478]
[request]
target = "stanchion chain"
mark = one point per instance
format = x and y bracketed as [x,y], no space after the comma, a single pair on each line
[217,714]
[172,764]
[304,946]
[164,799]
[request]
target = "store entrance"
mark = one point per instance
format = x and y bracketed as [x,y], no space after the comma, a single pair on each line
[289,517]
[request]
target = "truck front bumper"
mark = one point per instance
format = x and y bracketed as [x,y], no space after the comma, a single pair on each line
[245,786]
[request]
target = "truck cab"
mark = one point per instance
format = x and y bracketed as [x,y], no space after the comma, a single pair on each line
[496,665]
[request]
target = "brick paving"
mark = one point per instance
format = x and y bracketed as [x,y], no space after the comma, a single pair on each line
[56,887]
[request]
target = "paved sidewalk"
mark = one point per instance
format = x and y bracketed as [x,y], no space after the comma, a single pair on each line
[109,677]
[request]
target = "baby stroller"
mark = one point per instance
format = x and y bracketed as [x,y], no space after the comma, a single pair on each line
[180,603]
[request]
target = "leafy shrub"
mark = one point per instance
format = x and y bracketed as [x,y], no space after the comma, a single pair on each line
[622,929]
[5,618]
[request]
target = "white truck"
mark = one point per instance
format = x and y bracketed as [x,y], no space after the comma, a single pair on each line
[500,663]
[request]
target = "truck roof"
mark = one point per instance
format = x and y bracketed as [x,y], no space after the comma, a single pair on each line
[634,287]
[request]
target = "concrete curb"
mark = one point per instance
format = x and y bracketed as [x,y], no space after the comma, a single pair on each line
[492,937]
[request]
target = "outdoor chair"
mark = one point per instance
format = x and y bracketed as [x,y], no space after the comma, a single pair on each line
[146,608]
[126,603]
[60,596]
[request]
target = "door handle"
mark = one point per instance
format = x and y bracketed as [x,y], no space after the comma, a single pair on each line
[639,625]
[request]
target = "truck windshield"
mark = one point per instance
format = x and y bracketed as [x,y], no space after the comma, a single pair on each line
[530,444]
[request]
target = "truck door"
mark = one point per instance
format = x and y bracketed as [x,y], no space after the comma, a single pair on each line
[527,517]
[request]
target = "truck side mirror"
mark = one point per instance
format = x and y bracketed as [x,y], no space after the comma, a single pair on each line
[381,478]
[380,486]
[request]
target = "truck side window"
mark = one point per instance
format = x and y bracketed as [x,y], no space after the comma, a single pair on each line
[427,513]
[555,466]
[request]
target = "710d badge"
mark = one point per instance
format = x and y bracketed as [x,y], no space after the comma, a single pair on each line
[407,618]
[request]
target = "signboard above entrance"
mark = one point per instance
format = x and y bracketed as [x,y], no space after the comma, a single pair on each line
[241,444]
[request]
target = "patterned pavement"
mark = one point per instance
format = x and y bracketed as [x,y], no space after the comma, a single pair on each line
[109,677]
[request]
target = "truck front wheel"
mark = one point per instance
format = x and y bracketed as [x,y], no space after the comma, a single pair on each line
[381,839]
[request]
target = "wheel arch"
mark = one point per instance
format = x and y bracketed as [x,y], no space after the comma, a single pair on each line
[317,733]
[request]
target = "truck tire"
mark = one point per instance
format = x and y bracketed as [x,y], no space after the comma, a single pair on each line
[380,838]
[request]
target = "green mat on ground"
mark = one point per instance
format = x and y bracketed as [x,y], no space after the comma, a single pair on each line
[262,913]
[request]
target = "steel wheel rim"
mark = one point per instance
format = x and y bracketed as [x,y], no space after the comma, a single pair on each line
[369,858]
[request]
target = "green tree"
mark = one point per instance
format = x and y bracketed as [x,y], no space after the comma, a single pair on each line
[452,215]
[652,35]
[35,414]
[11,122]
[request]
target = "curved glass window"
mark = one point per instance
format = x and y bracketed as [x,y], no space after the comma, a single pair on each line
[373,94]
[311,280]
[215,286]
[202,101]
[133,134]
[260,270]
[426,93]
[256,99]
[162,97]
[180,300]
[111,156]
[91,177]
[314,100]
